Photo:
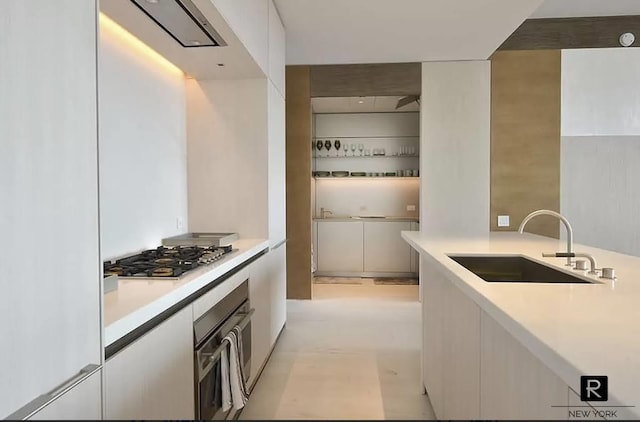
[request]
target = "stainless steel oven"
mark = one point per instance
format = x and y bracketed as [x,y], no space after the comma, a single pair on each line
[209,331]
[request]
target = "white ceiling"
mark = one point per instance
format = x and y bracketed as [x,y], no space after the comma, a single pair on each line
[387,31]
[583,8]
[359,105]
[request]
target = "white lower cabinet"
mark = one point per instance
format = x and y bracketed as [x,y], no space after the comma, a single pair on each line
[384,248]
[82,402]
[516,384]
[267,295]
[260,299]
[153,378]
[451,344]
[340,246]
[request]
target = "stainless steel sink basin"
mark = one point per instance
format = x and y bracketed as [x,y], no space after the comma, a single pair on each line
[514,269]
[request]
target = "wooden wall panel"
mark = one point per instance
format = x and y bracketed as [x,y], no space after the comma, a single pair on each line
[525,137]
[355,80]
[564,33]
[298,139]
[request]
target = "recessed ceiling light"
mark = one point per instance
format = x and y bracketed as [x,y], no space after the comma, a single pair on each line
[152,1]
[360,102]
[194,42]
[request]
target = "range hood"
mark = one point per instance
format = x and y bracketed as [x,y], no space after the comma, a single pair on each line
[183,21]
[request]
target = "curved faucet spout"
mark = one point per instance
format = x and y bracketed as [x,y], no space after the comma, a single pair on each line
[559,216]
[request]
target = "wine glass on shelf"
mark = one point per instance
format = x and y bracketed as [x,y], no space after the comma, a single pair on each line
[360,148]
[353,149]
[319,147]
[345,146]
[336,145]
[327,146]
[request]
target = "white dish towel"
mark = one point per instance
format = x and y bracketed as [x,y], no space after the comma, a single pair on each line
[234,388]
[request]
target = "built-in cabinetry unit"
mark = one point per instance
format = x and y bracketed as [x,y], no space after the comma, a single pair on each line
[356,247]
[152,378]
[473,367]
[50,316]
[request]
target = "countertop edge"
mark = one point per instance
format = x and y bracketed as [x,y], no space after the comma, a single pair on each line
[127,324]
[367,219]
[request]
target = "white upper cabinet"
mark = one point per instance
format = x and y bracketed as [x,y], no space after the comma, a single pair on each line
[50,309]
[249,20]
[277,183]
[276,49]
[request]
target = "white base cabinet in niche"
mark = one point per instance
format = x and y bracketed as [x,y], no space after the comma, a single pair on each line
[82,402]
[516,384]
[153,378]
[384,248]
[340,246]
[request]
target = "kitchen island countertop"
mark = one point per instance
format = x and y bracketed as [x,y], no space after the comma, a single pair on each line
[574,329]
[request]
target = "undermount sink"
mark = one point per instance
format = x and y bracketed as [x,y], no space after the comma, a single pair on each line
[514,269]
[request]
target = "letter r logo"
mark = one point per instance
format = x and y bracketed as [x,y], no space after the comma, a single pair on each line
[594,388]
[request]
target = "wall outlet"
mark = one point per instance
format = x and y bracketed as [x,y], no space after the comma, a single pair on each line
[503,221]
[179,223]
[411,207]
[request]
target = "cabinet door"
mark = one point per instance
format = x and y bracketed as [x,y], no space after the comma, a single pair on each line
[340,246]
[82,402]
[276,166]
[415,256]
[278,289]
[49,256]
[384,249]
[153,377]
[260,298]
[514,383]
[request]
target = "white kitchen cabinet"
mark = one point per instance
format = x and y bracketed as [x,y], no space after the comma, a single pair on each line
[276,166]
[415,256]
[82,402]
[451,344]
[384,248]
[278,264]
[276,49]
[340,246]
[515,384]
[260,299]
[50,313]
[153,378]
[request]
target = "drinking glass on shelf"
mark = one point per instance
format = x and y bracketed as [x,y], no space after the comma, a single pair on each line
[353,149]
[336,145]
[360,148]
[346,149]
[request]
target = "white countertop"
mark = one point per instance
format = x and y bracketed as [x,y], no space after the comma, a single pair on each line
[575,329]
[367,219]
[137,301]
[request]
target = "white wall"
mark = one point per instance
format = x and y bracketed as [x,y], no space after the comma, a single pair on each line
[455,145]
[600,147]
[143,155]
[600,94]
[370,196]
[351,197]
[228,156]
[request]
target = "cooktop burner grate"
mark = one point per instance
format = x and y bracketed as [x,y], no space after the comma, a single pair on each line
[164,262]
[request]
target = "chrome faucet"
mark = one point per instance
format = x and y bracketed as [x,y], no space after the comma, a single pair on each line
[569,254]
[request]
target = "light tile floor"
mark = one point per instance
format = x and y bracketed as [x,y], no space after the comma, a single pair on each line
[351,353]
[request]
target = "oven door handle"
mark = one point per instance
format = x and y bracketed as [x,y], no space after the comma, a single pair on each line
[212,357]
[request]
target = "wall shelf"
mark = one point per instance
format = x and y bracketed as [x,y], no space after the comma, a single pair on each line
[366,156]
[367,177]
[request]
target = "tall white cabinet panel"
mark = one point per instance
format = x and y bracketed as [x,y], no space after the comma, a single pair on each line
[50,308]
[384,248]
[514,383]
[340,246]
[153,377]
[276,168]
[82,402]
[276,49]
[433,354]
